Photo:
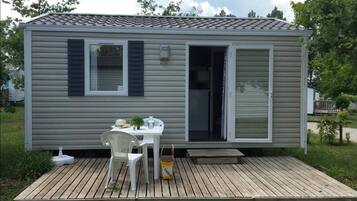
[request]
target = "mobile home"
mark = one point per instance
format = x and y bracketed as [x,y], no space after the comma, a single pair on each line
[215,81]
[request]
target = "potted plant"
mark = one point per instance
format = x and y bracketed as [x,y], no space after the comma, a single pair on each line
[137,121]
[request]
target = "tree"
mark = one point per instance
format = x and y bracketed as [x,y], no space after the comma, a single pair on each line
[223,13]
[11,37]
[149,7]
[275,13]
[252,13]
[332,44]
[172,9]
[29,8]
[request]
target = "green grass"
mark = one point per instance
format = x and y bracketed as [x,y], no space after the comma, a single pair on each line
[17,167]
[352,118]
[337,161]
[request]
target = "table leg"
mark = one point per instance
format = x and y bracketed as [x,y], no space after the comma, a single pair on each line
[156,150]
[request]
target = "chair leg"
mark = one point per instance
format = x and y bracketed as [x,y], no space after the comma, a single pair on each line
[109,172]
[145,164]
[132,172]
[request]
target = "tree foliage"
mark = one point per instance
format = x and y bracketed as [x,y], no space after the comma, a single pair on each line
[29,8]
[223,13]
[150,7]
[11,37]
[275,13]
[252,13]
[332,45]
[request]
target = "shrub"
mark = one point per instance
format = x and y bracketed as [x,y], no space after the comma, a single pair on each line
[309,133]
[342,102]
[327,130]
[33,164]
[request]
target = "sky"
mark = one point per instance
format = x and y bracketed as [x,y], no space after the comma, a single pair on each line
[239,8]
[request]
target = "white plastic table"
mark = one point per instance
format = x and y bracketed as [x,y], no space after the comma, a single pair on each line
[153,134]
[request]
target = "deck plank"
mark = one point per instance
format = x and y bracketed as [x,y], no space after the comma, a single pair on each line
[220,181]
[126,184]
[211,189]
[286,183]
[237,180]
[230,185]
[185,180]
[321,179]
[62,180]
[112,186]
[89,183]
[150,193]
[96,185]
[253,183]
[77,180]
[213,180]
[75,193]
[34,185]
[197,177]
[306,190]
[69,181]
[39,188]
[196,189]
[142,184]
[179,183]
[267,179]
[271,178]
[120,181]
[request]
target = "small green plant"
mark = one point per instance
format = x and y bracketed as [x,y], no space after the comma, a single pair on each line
[137,121]
[327,130]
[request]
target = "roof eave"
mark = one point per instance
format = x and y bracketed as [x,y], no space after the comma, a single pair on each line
[150,30]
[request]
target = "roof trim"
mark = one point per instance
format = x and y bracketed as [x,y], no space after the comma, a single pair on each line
[183,31]
[155,16]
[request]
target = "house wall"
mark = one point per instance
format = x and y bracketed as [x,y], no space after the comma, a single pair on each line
[76,122]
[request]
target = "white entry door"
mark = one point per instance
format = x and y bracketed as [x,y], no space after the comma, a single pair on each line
[250,93]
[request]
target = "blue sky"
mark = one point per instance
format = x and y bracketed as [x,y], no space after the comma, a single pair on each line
[239,8]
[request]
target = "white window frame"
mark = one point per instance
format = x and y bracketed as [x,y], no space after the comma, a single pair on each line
[87,44]
[232,93]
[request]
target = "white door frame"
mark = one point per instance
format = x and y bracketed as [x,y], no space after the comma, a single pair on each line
[187,72]
[232,93]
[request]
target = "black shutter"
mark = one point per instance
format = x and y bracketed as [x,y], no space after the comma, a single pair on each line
[75,53]
[136,68]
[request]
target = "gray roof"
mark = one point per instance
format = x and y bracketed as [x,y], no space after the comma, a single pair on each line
[165,22]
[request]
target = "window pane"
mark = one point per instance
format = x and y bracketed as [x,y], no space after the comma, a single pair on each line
[106,67]
[252,91]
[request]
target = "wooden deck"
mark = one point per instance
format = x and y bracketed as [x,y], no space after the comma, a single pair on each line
[258,178]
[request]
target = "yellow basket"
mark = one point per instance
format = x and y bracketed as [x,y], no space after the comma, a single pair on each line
[167,164]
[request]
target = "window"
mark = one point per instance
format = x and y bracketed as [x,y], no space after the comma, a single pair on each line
[106,67]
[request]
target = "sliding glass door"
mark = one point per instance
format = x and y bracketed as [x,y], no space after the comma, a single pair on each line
[251,94]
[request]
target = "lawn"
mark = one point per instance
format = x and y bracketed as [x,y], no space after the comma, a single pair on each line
[352,118]
[337,161]
[17,167]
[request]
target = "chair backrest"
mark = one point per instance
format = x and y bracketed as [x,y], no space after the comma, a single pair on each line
[158,122]
[120,143]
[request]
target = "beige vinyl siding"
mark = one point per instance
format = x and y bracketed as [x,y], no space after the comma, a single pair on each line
[76,122]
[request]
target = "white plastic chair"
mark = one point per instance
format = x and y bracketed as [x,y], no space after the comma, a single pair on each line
[121,145]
